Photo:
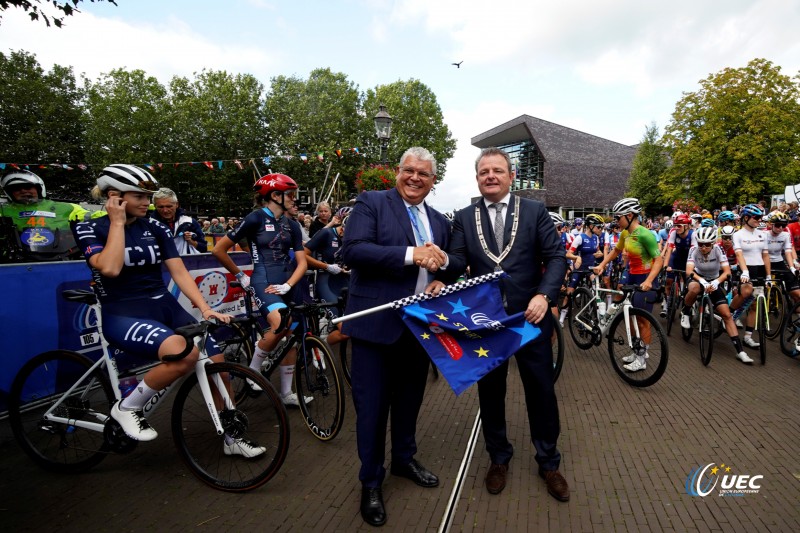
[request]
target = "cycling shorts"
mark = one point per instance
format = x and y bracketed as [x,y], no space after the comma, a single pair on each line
[139,327]
[264,276]
[640,299]
[718,296]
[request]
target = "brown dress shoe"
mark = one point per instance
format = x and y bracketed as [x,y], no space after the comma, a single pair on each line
[496,478]
[556,484]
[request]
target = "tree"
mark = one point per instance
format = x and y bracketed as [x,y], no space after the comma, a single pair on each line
[736,139]
[127,119]
[32,7]
[215,117]
[417,120]
[42,121]
[322,114]
[648,168]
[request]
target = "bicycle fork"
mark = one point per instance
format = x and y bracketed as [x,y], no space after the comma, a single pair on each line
[208,396]
[639,347]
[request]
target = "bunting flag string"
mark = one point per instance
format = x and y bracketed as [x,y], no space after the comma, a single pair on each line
[217,164]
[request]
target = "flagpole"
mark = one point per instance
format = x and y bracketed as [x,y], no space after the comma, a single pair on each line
[421,297]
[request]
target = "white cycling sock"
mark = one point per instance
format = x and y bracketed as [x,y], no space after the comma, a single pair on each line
[258,358]
[287,375]
[138,397]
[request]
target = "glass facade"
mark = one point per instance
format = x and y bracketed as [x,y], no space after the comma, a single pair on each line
[528,163]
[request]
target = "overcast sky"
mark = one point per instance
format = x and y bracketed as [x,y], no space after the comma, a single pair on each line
[605,67]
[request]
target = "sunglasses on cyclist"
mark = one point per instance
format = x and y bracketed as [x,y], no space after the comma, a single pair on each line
[779,224]
[705,244]
[727,238]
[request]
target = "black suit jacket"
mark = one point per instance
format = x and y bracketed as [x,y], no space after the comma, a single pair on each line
[536,264]
[378,233]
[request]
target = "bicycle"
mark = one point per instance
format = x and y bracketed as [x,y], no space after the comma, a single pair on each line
[316,374]
[620,325]
[557,342]
[60,401]
[708,329]
[790,332]
[674,298]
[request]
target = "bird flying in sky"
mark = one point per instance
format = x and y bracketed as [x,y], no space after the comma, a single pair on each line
[458,65]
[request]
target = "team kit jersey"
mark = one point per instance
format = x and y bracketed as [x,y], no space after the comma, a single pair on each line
[641,247]
[707,266]
[325,243]
[777,245]
[585,246]
[680,248]
[752,244]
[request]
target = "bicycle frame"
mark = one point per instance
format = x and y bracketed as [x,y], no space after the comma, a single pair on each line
[605,322]
[113,374]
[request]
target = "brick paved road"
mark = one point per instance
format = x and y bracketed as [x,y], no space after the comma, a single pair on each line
[627,453]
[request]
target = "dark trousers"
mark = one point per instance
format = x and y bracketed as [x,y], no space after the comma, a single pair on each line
[535,362]
[387,379]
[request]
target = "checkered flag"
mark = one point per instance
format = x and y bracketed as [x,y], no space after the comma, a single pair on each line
[421,297]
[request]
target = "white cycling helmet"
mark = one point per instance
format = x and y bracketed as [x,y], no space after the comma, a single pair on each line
[706,235]
[127,178]
[727,231]
[627,205]
[23,177]
[556,218]
[668,224]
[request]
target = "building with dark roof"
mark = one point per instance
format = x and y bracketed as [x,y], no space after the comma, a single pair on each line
[571,172]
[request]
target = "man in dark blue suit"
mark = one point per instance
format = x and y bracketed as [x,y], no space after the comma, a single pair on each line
[503,231]
[389,234]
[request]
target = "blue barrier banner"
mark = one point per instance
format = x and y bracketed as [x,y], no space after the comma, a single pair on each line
[37,319]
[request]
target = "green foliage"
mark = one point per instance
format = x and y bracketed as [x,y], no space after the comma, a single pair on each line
[32,7]
[736,139]
[417,120]
[376,178]
[648,168]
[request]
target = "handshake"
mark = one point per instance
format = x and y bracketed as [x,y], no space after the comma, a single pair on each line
[430,257]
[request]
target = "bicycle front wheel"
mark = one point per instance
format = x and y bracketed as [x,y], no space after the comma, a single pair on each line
[319,389]
[776,310]
[256,437]
[761,327]
[558,349]
[705,330]
[583,318]
[640,358]
[674,302]
[790,332]
[42,382]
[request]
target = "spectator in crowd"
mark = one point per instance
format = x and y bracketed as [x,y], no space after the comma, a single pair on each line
[186,231]
[324,219]
[206,227]
[40,229]
[216,227]
[792,211]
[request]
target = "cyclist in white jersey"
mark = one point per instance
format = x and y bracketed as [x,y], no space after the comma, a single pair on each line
[750,245]
[706,267]
[782,253]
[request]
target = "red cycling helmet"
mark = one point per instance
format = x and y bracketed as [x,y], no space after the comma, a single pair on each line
[274,182]
[683,219]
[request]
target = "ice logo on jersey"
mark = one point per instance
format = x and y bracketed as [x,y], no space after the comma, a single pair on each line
[143,332]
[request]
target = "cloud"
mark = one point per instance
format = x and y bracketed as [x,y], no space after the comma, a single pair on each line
[162,49]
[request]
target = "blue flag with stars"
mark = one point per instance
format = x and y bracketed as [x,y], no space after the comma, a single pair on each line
[466,331]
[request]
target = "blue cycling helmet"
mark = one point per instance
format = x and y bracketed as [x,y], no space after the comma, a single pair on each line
[578,221]
[707,223]
[752,210]
[726,216]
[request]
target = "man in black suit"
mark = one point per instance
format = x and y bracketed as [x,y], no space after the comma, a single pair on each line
[389,235]
[503,231]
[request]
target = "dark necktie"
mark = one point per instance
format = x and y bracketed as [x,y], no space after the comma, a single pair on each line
[499,224]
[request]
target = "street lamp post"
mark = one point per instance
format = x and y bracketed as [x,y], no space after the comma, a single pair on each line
[383,129]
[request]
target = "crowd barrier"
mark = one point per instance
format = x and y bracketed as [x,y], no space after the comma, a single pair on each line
[37,319]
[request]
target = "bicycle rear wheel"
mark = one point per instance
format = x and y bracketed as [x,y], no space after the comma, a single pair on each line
[317,378]
[790,332]
[40,383]
[705,330]
[558,349]
[776,311]
[624,350]
[674,299]
[583,318]
[263,422]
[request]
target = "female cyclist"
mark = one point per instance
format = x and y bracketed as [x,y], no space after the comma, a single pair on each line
[782,256]
[585,250]
[320,252]
[125,250]
[271,236]
[706,268]
[675,253]
[644,264]
[750,245]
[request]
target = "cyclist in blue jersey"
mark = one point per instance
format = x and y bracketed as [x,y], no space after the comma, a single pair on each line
[675,253]
[125,251]
[585,250]
[272,236]
[320,254]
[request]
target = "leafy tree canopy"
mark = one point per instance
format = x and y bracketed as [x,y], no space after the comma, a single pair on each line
[648,168]
[36,11]
[737,138]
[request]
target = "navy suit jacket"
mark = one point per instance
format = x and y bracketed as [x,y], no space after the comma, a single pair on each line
[536,263]
[378,233]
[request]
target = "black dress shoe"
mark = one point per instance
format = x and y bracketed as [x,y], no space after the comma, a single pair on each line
[416,473]
[372,510]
